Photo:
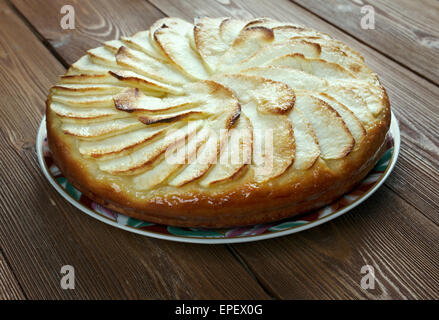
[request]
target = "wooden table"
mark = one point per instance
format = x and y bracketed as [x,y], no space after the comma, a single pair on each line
[395,231]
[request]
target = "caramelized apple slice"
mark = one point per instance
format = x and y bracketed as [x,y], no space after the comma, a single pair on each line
[178,156]
[85,101]
[334,137]
[149,67]
[235,154]
[270,96]
[208,153]
[172,38]
[81,113]
[102,56]
[270,23]
[218,99]
[136,80]
[97,129]
[107,79]
[248,42]
[316,67]
[292,77]
[374,95]
[113,45]
[273,143]
[265,55]
[285,32]
[90,79]
[117,144]
[332,53]
[174,117]
[324,39]
[307,146]
[141,41]
[196,168]
[86,65]
[352,101]
[141,158]
[85,89]
[208,41]
[352,122]
[132,99]
[229,29]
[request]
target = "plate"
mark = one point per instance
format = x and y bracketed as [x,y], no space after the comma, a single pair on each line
[309,220]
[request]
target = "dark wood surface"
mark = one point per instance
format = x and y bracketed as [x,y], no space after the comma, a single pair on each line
[396,230]
[406,31]
[9,286]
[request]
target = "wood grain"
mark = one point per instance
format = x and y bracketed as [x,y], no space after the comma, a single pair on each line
[95,22]
[40,232]
[325,262]
[387,231]
[9,286]
[405,30]
[413,99]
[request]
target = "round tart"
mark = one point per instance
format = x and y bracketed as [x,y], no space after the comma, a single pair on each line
[219,123]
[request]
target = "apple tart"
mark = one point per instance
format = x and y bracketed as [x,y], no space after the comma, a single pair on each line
[219,123]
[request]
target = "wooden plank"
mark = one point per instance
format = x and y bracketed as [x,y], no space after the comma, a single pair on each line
[413,99]
[9,286]
[405,30]
[325,262]
[386,232]
[40,232]
[95,22]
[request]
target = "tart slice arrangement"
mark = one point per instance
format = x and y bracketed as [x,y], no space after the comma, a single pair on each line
[219,123]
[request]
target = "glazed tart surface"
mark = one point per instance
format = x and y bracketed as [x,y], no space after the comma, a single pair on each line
[219,123]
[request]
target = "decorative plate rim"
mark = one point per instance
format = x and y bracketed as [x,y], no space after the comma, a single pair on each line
[394,130]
